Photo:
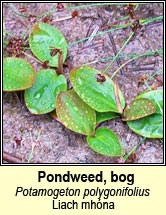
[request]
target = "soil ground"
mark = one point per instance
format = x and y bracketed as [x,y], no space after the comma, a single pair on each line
[43,140]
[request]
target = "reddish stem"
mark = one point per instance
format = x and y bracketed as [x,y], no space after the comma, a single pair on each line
[11,159]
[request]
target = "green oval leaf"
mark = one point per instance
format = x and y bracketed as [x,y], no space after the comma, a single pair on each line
[74,113]
[41,97]
[96,89]
[138,108]
[18,74]
[105,142]
[150,126]
[103,116]
[43,39]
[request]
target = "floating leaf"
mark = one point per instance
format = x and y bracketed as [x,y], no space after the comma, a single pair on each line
[103,116]
[41,97]
[105,142]
[43,39]
[150,126]
[138,108]
[100,95]
[18,74]
[74,113]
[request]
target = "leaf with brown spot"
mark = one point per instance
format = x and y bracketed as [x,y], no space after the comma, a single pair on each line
[98,94]
[44,36]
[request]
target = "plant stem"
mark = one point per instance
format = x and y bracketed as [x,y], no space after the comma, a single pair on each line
[31,57]
[11,7]
[125,64]
[11,159]
[134,149]
[151,53]
[33,145]
[119,26]
[120,50]
[116,27]
[95,4]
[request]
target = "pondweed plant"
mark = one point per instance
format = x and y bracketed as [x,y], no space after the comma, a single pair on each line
[93,99]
